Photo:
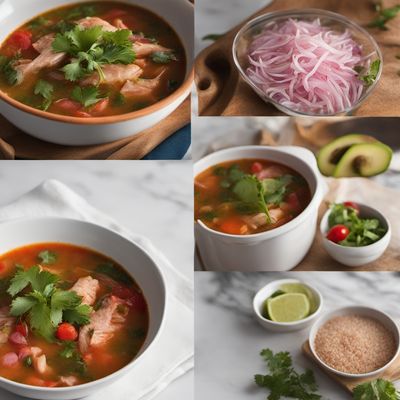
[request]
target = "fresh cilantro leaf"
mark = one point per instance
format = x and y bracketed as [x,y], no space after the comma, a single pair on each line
[117,54]
[69,350]
[370,77]
[384,15]
[44,89]
[379,389]
[87,95]
[81,12]
[119,37]
[73,71]
[38,22]
[283,381]
[18,282]
[47,257]
[79,315]
[21,305]
[113,272]
[84,39]
[119,100]
[163,57]
[11,75]
[40,321]
[65,299]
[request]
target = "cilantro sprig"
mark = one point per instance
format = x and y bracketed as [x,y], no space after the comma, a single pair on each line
[87,96]
[92,48]
[45,305]
[45,90]
[384,16]
[7,68]
[369,77]
[283,381]
[379,389]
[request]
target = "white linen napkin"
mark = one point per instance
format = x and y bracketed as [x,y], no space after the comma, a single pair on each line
[173,354]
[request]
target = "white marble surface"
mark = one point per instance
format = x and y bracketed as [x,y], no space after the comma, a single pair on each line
[153,198]
[229,339]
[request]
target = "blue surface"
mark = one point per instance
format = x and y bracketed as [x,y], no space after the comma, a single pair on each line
[173,148]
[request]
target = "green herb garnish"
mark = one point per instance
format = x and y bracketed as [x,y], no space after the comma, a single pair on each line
[384,15]
[44,89]
[163,57]
[213,36]
[71,353]
[379,389]
[7,69]
[87,96]
[45,305]
[283,381]
[47,257]
[92,48]
[370,77]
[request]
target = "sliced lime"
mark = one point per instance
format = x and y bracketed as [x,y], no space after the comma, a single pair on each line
[300,288]
[288,307]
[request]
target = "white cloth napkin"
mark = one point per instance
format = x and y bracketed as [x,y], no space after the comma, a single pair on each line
[173,353]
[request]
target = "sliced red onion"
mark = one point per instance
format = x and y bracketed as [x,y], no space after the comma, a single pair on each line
[18,339]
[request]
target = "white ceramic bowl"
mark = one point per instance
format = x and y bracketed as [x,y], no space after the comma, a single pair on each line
[131,256]
[357,256]
[378,315]
[279,249]
[76,131]
[265,292]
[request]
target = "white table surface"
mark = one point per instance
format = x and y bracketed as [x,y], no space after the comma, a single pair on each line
[153,198]
[229,339]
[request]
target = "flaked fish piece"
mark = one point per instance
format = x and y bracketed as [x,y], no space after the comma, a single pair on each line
[103,324]
[87,288]
[115,73]
[90,22]
[141,87]
[146,49]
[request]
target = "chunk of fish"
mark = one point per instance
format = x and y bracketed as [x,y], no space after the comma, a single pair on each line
[6,324]
[69,380]
[87,288]
[103,324]
[146,49]
[141,87]
[46,59]
[90,22]
[273,171]
[115,73]
[117,22]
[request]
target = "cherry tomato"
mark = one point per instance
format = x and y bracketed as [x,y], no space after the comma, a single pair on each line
[338,233]
[21,39]
[68,106]
[234,226]
[22,328]
[100,106]
[66,331]
[351,204]
[256,167]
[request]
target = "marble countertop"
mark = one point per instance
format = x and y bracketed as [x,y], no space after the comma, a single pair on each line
[151,198]
[229,339]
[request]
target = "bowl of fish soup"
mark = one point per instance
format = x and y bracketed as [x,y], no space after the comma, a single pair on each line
[134,71]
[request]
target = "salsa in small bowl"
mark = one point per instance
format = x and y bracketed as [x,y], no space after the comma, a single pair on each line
[355,234]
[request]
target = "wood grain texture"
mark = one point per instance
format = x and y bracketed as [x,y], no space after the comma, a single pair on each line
[391,374]
[16,144]
[221,91]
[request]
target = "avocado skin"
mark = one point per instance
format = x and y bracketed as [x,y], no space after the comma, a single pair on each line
[330,155]
[364,159]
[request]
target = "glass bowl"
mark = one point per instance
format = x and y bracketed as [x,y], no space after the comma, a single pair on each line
[329,19]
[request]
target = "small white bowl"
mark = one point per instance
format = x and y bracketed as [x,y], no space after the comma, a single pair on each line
[357,256]
[265,292]
[378,315]
[131,256]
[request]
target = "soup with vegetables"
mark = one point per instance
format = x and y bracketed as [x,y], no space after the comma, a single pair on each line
[249,196]
[92,59]
[68,315]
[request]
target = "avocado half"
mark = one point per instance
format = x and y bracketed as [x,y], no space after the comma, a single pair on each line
[330,155]
[365,159]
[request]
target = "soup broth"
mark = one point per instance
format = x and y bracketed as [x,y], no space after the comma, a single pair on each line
[249,196]
[92,59]
[50,343]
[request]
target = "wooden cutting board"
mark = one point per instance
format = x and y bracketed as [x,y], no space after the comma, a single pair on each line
[221,91]
[391,374]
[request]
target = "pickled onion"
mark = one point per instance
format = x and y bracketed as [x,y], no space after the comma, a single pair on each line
[307,67]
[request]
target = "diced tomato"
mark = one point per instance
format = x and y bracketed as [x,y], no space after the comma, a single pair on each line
[68,106]
[351,204]
[100,106]
[50,383]
[256,167]
[22,328]
[82,114]
[21,39]
[66,331]
[234,226]
[293,201]
[338,233]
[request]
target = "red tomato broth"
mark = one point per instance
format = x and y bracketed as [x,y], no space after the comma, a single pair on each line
[72,263]
[137,19]
[217,207]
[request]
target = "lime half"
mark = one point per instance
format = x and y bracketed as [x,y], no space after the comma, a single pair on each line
[288,307]
[300,288]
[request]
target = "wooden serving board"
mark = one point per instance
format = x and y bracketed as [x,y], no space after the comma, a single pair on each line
[391,374]
[221,91]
